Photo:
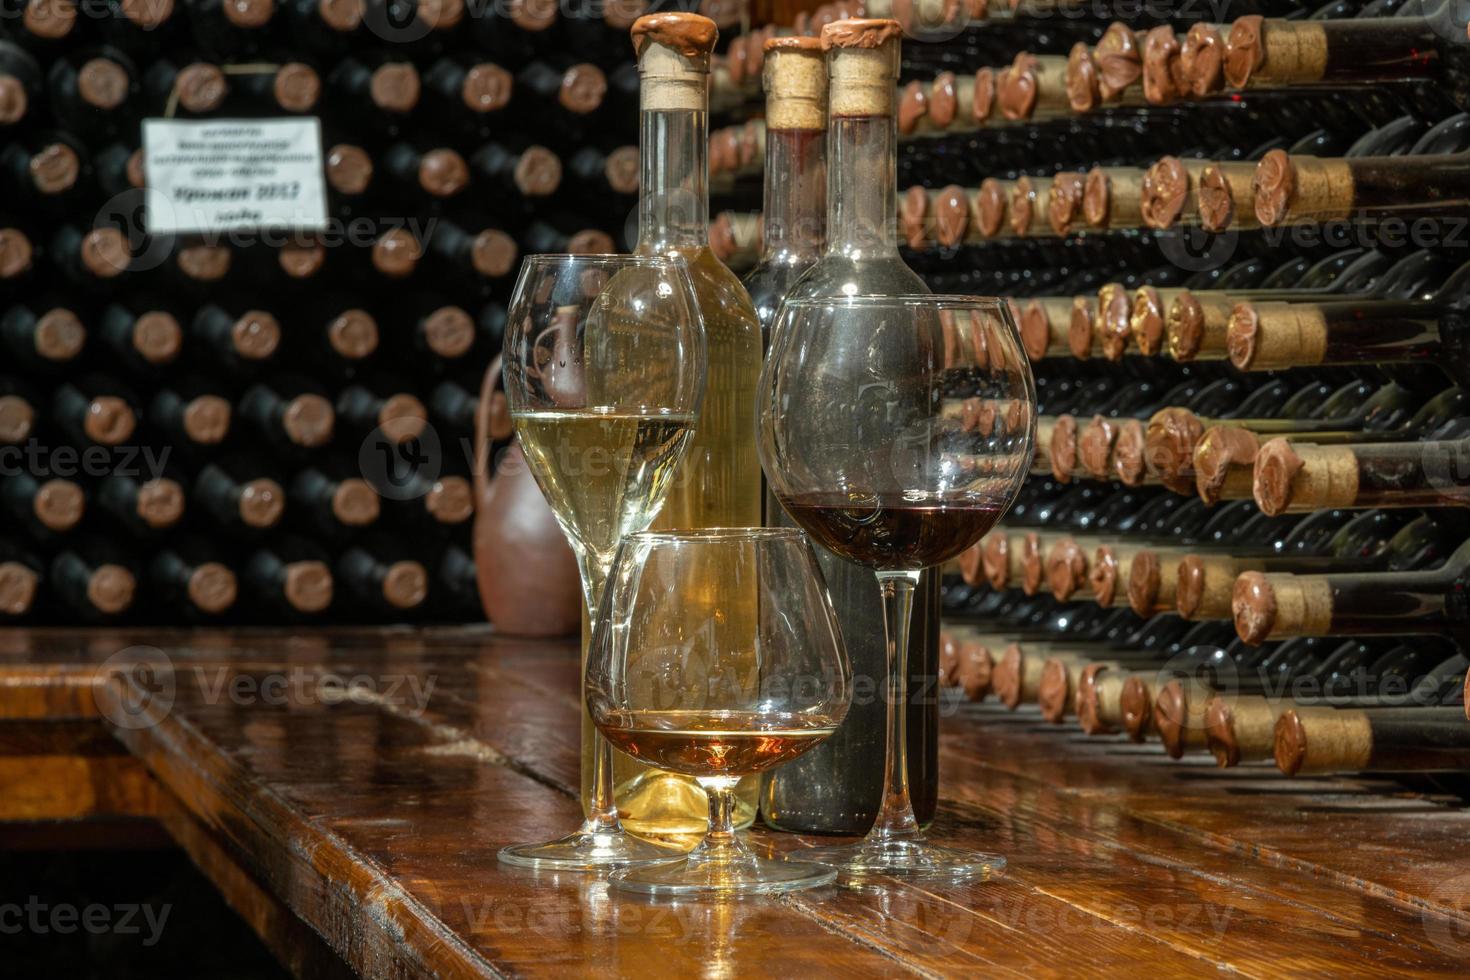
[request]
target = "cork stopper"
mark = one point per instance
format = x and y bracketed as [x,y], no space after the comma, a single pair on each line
[395,86]
[1198,328]
[1163,74]
[1112,328]
[991,202]
[1170,440]
[913,106]
[583,87]
[160,503]
[103,84]
[795,83]
[301,259]
[972,564]
[450,500]
[622,172]
[308,586]
[913,216]
[207,420]
[951,214]
[976,669]
[355,503]
[340,15]
[1148,590]
[402,417]
[255,335]
[14,102]
[17,419]
[863,66]
[297,87]
[59,335]
[1223,460]
[1054,690]
[982,95]
[50,20]
[1136,705]
[1083,83]
[949,658]
[17,588]
[353,334]
[1205,586]
[1095,448]
[1299,188]
[449,332]
[1113,197]
[15,253]
[1202,60]
[486,88]
[1102,575]
[673,51]
[1268,336]
[59,505]
[109,420]
[1166,190]
[944,99]
[105,253]
[1146,320]
[1032,570]
[1241,729]
[204,263]
[1119,58]
[212,588]
[201,87]
[1322,740]
[1005,678]
[396,253]
[249,14]
[349,169]
[1062,451]
[1066,568]
[308,421]
[538,172]
[1079,327]
[261,503]
[443,172]
[996,559]
[1064,202]
[1128,453]
[1295,477]
[111,588]
[157,337]
[1267,607]
[1099,689]
[405,584]
[1179,715]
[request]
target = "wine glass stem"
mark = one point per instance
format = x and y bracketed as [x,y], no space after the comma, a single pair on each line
[602,812]
[720,842]
[896,812]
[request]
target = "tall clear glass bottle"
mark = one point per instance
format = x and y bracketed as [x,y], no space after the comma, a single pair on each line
[720,483]
[836,787]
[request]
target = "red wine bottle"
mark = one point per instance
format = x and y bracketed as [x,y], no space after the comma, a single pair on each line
[1291,476]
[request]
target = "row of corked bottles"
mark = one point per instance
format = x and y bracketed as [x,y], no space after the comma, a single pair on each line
[1328,641]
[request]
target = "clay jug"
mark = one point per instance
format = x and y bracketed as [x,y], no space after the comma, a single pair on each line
[527,574]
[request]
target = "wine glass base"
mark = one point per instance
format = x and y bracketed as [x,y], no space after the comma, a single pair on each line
[749,875]
[906,858]
[588,851]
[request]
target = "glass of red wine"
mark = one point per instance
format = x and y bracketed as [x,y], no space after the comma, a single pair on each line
[897,430]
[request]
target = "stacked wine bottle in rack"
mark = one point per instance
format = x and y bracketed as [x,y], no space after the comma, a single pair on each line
[265,427]
[1237,253]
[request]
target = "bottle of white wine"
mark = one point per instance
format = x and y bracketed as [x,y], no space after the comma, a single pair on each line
[719,484]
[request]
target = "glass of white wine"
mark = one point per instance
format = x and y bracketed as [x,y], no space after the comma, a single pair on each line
[604,375]
[719,689]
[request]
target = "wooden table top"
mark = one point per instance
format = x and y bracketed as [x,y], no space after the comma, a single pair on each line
[348,791]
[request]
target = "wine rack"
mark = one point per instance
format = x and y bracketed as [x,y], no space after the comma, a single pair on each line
[1234,250]
[260,429]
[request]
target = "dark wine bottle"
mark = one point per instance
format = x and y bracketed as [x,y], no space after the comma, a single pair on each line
[42,339]
[18,411]
[190,578]
[438,173]
[381,582]
[489,253]
[21,579]
[1292,476]
[21,83]
[239,342]
[145,343]
[46,509]
[290,578]
[237,495]
[90,258]
[92,93]
[190,414]
[1310,740]
[95,411]
[291,414]
[374,409]
[328,499]
[96,581]
[47,169]
[228,30]
[142,506]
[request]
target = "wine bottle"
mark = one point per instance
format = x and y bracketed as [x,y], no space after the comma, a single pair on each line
[191,579]
[289,87]
[1312,740]
[836,787]
[95,581]
[373,86]
[236,496]
[1291,476]
[46,509]
[438,173]
[452,584]
[95,411]
[90,258]
[90,91]
[142,507]
[524,173]
[330,27]
[190,415]
[292,578]
[332,501]
[228,30]
[20,82]
[240,343]
[489,253]
[46,169]
[605,179]
[291,414]
[145,342]
[560,100]
[21,579]
[1294,190]
[195,88]
[349,172]
[380,581]
[42,339]
[362,411]
[719,481]
[1271,606]
[18,411]
[467,95]
[517,32]
[543,237]
[795,206]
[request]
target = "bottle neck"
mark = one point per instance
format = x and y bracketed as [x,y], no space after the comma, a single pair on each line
[673,196]
[862,186]
[795,207]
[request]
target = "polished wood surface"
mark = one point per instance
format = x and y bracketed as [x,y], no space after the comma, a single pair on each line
[348,791]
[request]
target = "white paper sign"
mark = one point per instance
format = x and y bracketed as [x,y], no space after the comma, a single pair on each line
[221,175]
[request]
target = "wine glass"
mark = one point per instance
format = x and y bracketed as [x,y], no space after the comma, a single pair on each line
[896,430]
[604,376]
[718,690]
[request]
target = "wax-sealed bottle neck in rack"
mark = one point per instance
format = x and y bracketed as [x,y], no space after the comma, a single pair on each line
[673,200]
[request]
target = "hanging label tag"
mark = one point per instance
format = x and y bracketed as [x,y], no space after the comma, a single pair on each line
[222,175]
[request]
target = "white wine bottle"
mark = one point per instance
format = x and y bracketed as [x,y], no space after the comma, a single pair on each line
[719,482]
